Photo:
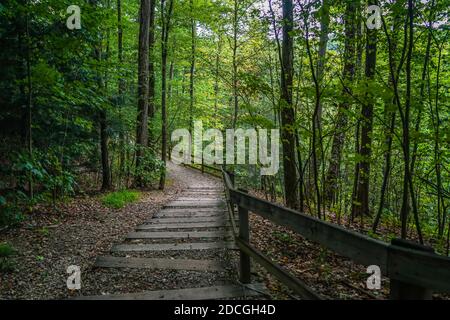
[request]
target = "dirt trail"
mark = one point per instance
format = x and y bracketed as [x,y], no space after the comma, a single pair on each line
[48,242]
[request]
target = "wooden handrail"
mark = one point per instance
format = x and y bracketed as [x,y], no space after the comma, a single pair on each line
[413,268]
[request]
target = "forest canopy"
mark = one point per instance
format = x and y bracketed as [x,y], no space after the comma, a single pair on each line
[361,101]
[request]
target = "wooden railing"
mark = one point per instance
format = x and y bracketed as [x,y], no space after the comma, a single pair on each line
[215,171]
[415,271]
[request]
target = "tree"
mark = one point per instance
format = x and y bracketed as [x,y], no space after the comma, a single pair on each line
[120,88]
[192,68]
[151,66]
[143,83]
[287,111]
[348,73]
[166,14]
[361,203]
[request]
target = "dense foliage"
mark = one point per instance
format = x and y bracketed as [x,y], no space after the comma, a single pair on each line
[371,109]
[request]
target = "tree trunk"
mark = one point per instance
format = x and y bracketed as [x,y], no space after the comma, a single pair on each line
[316,129]
[323,42]
[165,18]
[106,171]
[390,117]
[333,174]
[102,118]
[120,89]
[362,200]
[29,135]
[235,81]
[406,145]
[216,79]
[436,120]
[151,69]
[287,110]
[143,82]
[192,69]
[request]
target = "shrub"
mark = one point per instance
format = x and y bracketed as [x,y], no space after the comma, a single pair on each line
[10,211]
[120,199]
[6,265]
[48,176]
[6,250]
[150,167]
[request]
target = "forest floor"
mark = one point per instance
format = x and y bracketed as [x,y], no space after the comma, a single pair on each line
[73,233]
[76,232]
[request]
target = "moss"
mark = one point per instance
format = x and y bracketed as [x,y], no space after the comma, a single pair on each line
[120,199]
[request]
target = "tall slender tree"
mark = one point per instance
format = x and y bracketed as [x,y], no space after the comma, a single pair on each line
[361,204]
[234,61]
[348,73]
[192,67]
[166,14]
[143,82]
[121,87]
[286,108]
[151,68]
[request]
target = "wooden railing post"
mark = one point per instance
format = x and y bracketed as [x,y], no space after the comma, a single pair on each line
[401,290]
[244,234]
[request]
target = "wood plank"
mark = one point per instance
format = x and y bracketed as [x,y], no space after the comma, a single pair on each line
[408,265]
[184,225]
[164,214]
[191,210]
[202,192]
[199,198]
[205,195]
[178,235]
[212,203]
[424,269]
[204,293]
[187,220]
[191,207]
[195,206]
[195,209]
[173,246]
[205,188]
[152,263]
[358,247]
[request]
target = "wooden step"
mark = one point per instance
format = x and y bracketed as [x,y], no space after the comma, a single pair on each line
[191,206]
[173,246]
[196,204]
[152,263]
[183,225]
[178,235]
[163,214]
[203,194]
[165,220]
[199,198]
[207,192]
[204,293]
[191,210]
[216,188]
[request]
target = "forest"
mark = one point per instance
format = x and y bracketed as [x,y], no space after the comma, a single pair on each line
[91,92]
